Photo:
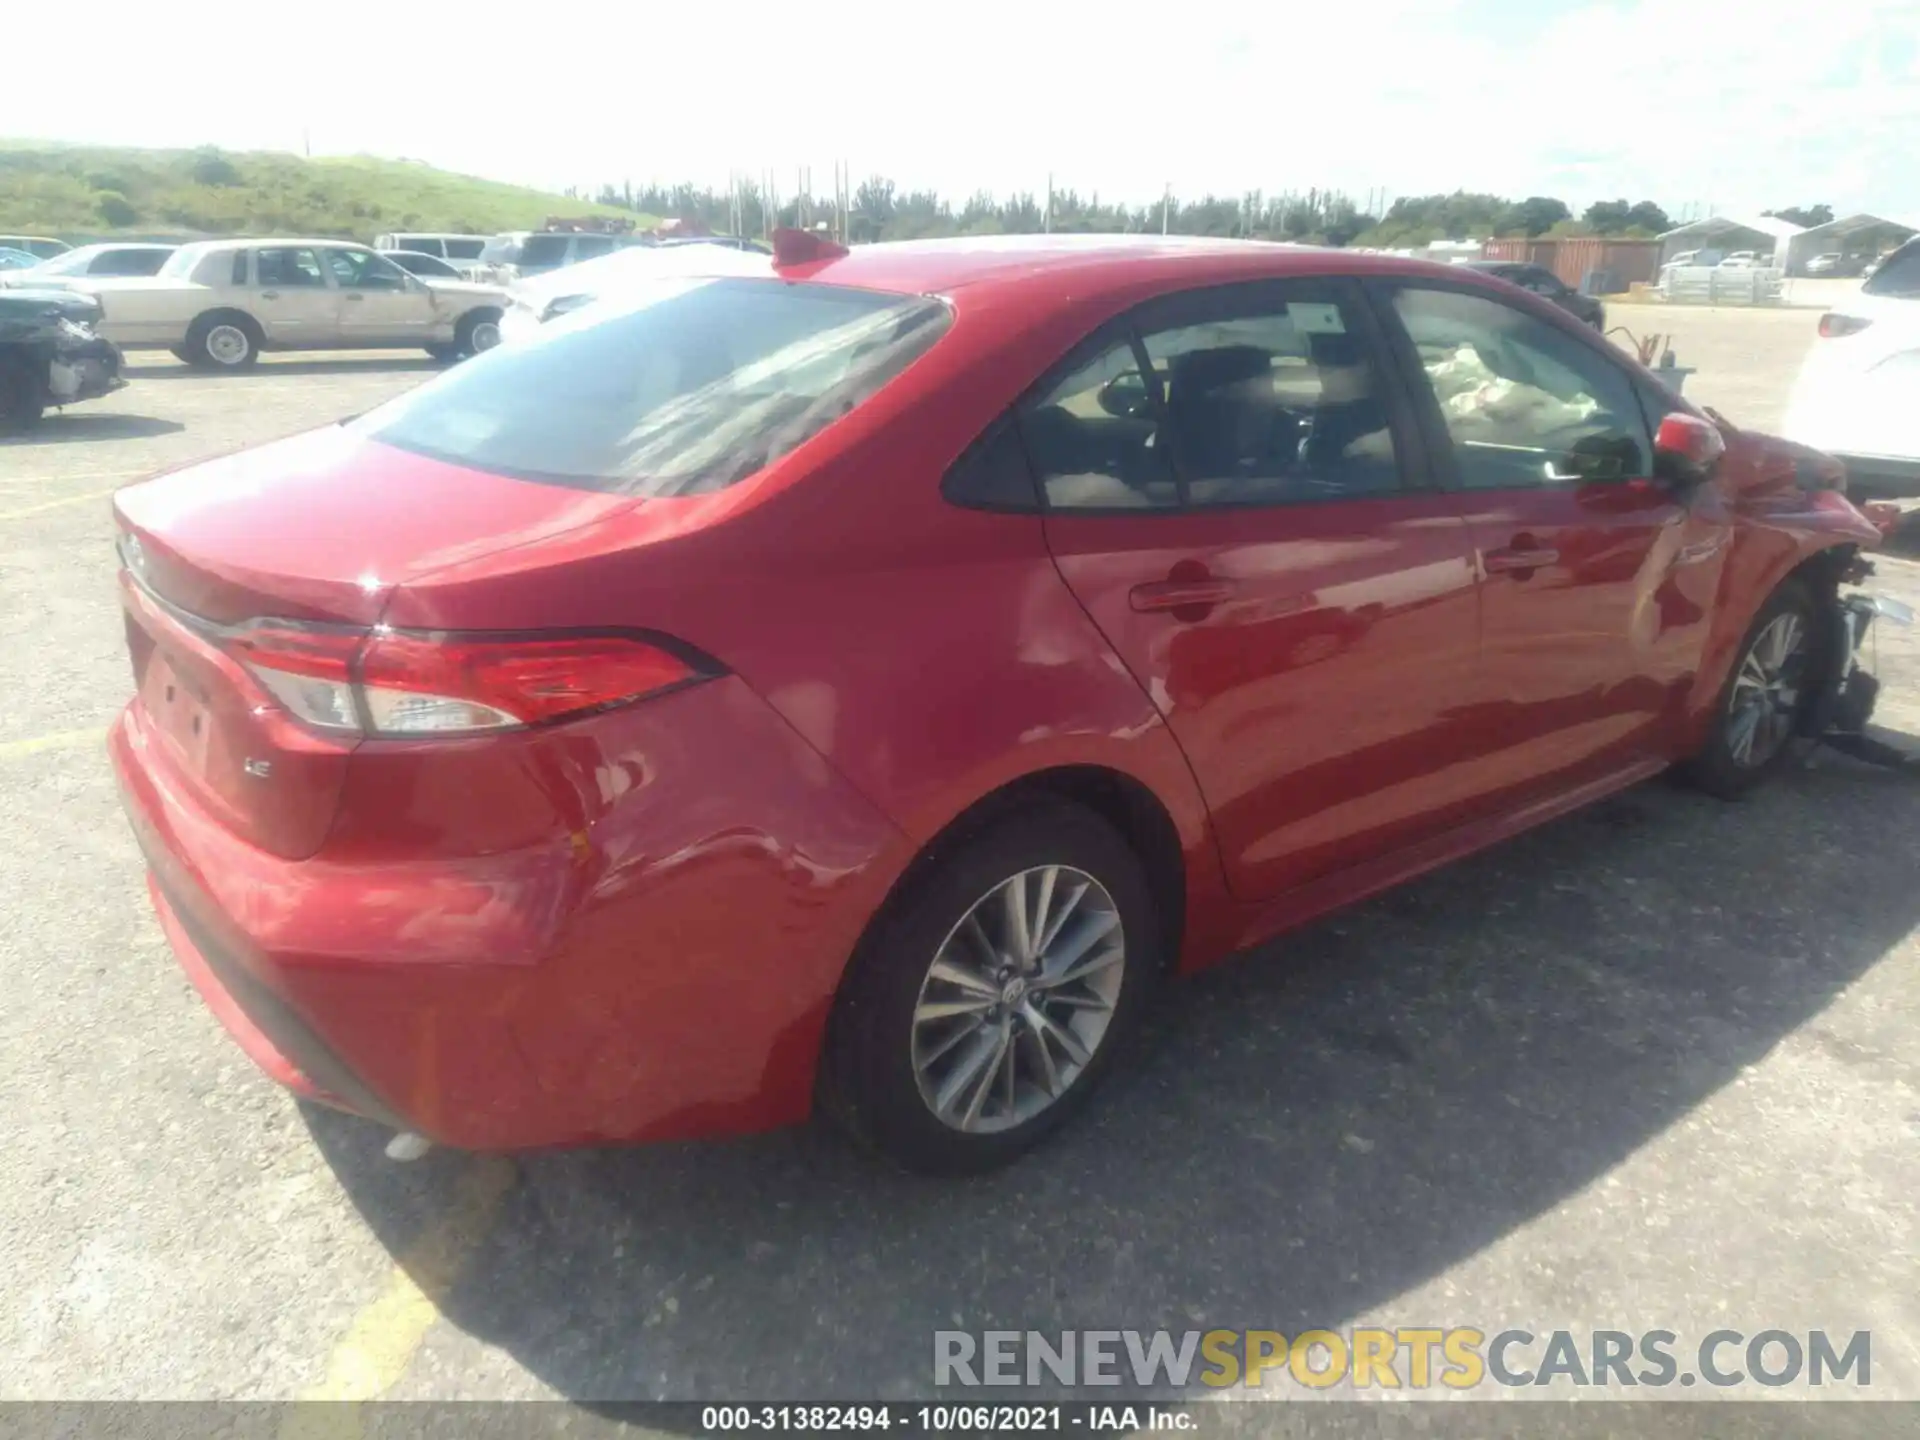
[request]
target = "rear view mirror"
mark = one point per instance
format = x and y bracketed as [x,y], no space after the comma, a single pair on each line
[1686,448]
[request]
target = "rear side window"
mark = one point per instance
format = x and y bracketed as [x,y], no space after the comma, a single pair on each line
[1266,397]
[690,386]
[1898,275]
[468,249]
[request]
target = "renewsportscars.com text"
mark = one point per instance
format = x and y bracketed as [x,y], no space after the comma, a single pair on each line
[1461,1358]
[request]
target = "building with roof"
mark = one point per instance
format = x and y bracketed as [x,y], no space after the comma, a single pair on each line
[1768,235]
[1859,238]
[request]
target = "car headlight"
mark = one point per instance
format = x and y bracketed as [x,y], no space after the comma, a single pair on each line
[564,305]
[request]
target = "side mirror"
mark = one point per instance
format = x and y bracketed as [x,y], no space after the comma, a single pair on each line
[1686,448]
[1125,397]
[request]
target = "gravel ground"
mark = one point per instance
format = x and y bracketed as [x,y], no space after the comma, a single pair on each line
[1650,1067]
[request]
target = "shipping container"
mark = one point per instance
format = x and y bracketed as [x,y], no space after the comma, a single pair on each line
[1617,263]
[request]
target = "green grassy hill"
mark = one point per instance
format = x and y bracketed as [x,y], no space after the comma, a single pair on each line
[81,193]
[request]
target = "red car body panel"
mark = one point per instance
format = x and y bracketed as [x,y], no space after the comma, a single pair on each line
[633,925]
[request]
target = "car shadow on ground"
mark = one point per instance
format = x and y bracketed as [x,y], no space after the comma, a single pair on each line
[273,367]
[1308,1134]
[66,428]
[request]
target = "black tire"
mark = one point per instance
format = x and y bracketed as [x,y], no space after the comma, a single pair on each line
[211,344]
[478,330]
[1717,769]
[181,353]
[869,1075]
[21,400]
[445,354]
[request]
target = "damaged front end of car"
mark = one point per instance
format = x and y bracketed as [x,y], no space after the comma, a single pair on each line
[52,353]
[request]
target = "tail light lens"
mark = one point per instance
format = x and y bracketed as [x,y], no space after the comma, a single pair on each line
[402,683]
[1833,326]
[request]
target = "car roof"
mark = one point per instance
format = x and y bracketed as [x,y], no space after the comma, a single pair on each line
[1097,263]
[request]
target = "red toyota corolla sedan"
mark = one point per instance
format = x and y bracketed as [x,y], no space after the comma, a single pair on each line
[865,683]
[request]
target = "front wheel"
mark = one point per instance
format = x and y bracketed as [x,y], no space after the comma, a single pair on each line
[984,1009]
[1773,688]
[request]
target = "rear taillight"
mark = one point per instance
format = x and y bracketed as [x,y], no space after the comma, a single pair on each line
[401,683]
[1833,325]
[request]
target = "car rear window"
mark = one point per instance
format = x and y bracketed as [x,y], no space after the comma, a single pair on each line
[685,386]
[1898,275]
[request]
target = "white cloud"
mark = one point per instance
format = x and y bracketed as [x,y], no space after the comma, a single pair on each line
[1682,100]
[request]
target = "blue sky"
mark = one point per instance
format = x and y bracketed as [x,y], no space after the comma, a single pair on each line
[1741,104]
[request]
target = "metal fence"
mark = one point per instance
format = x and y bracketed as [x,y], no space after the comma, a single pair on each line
[1720,285]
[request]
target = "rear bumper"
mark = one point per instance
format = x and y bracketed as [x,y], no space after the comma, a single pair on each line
[662,970]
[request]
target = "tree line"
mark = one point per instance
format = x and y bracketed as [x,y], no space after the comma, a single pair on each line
[877,209]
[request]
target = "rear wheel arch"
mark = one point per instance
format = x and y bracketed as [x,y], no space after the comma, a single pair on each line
[1128,805]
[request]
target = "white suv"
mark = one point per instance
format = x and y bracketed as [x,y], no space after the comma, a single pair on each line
[1858,396]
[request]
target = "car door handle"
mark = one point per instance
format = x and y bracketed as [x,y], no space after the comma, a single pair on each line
[1522,558]
[269,294]
[1202,592]
[355,295]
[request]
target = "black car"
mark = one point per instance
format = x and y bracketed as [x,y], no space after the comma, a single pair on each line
[1542,281]
[51,353]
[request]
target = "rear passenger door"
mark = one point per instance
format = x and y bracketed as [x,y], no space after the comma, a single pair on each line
[1235,490]
[291,296]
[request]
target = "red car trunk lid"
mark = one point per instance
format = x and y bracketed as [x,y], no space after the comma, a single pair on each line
[318,528]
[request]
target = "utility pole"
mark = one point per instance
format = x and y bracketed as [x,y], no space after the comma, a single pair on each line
[1166,206]
[1046,219]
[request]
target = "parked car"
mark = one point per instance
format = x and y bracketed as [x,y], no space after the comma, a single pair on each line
[1543,282]
[1834,265]
[460,251]
[51,353]
[1743,260]
[838,659]
[12,260]
[524,253]
[44,246]
[219,303]
[109,259]
[1858,392]
[535,302]
[425,266]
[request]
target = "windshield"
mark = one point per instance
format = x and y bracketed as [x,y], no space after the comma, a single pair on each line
[687,386]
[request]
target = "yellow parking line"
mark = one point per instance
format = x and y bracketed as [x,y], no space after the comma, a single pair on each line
[56,504]
[59,740]
[380,1344]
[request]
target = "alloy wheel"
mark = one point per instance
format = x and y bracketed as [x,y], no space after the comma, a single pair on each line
[1018,999]
[1767,691]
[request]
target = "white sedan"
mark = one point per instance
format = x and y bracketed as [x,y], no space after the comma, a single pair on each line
[1858,395]
[532,303]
